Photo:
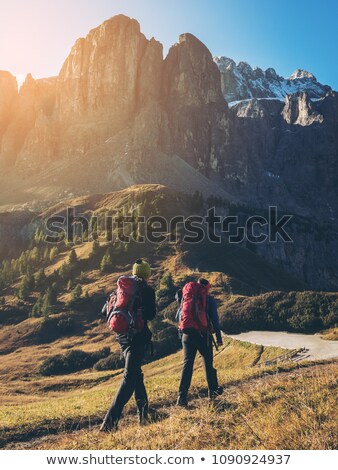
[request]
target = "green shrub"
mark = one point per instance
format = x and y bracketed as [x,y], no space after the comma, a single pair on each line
[167,282]
[112,362]
[291,311]
[76,292]
[72,361]
[66,325]
[54,327]
[166,342]
[170,311]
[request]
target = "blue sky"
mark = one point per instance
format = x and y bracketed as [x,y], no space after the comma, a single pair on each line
[36,35]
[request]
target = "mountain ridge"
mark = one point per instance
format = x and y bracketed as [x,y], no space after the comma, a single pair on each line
[120,114]
[240,81]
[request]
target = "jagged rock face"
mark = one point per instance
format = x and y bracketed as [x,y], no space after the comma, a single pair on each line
[299,110]
[28,137]
[8,100]
[300,73]
[286,155]
[8,96]
[311,257]
[113,70]
[240,82]
[193,98]
[107,78]
[190,77]
[118,114]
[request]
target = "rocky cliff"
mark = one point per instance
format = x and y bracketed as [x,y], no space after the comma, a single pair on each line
[286,154]
[241,81]
[120,114]
[8,97]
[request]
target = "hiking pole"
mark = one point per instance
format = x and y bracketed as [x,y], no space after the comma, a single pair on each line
[214,342]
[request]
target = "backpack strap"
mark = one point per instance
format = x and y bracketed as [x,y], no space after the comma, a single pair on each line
[132,298]
[197,310]
[178,313]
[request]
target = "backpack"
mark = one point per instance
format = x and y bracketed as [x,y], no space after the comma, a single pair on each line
[124,309]
[192,312]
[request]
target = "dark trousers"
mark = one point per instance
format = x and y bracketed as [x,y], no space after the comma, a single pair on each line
[132,382]
[192,342]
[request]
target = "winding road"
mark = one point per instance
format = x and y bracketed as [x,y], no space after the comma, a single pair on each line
[317,348]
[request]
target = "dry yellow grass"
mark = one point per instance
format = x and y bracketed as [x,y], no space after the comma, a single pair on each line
[330,335]
[293,408]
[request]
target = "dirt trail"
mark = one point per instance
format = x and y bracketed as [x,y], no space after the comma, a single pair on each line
[317,348]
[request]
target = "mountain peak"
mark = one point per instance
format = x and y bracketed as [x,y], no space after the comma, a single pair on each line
[120,19]
[244,67]
[241,82]
[300,73]
[191,40]
[226,62]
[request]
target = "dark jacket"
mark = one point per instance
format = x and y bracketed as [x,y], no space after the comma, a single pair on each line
[148,307]
[211,312]
[213,315]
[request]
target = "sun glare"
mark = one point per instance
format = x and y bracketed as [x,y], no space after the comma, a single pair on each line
[20,78]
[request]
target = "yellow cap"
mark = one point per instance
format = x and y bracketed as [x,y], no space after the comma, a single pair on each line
[141,269]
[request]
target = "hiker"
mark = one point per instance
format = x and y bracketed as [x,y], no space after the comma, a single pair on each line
[198,319]
[133,342]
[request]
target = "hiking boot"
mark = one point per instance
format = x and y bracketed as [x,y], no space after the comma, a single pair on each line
[216,393]
[109,425]
[143,411]
[182,400]
[143,420]
[143,417]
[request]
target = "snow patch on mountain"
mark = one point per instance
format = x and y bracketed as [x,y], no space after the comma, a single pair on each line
[241,81]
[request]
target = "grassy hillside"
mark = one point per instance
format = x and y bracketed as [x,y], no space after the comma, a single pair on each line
[64,412]
[331,334]
[50,295]
[305,311]
[60,366]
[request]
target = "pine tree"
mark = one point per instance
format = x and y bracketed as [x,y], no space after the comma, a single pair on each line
[35,255]
[22,263]
[46,254]
[45,305]
[48,300]
[23,290]
[167,282]
[30,279]
[95,248]
[37,308]
[106,261]
[53,253]
[64,271]
[40,277]
[76,292]
[73,259]
[53,293]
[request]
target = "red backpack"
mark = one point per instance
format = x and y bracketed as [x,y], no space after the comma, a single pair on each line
[193,307]
[124,309]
